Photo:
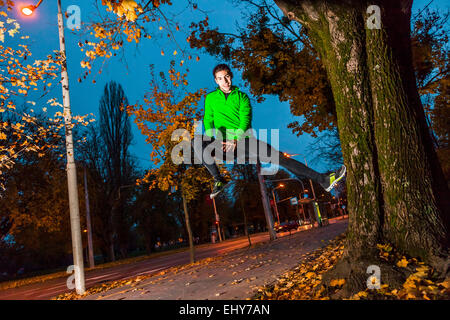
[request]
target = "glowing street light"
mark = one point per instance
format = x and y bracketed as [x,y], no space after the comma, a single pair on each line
[287,155]
[28,10]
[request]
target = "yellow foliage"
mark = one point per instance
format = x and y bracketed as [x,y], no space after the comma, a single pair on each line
[402,263]
[337,282]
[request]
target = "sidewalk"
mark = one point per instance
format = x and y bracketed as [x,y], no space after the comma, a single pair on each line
[235,275]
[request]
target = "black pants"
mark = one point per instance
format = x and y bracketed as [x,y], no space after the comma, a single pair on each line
[248,150]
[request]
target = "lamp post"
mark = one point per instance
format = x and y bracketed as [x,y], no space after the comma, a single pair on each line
[315,204]
[275,202]
[306,163]
[287,179]
[266,204]
[77,246]
[300,195]
[88,223]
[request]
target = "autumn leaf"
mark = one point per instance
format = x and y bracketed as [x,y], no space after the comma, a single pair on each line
[402,263]
[337,282]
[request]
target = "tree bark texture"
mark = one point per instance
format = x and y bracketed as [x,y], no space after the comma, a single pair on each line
[396,190]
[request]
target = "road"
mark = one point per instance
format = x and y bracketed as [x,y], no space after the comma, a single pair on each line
[51,288]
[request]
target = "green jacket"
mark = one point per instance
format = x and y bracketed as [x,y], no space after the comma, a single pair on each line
[233,114]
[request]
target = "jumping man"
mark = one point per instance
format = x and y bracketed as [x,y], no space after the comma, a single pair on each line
[229,112]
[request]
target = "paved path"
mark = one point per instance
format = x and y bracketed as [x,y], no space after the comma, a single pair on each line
[53,287]
[234,275]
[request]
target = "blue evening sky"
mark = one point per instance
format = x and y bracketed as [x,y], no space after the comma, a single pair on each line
[133,74]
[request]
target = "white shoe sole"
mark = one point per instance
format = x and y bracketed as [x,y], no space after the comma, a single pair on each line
[337,180]
[213,195]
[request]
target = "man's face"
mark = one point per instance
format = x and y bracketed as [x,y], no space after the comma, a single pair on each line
[223,80]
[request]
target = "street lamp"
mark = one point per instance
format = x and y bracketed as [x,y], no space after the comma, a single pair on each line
[275,201]
[265,201]
[28,10]
[77,245]
[310,181]
[295,179]
[300,195]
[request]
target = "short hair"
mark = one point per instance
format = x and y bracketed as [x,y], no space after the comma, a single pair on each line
[222,67]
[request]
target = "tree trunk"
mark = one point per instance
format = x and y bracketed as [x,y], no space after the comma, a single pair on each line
[413,188]
[395,188]
[188,227]
[112,256]
[148,243]
[245,224]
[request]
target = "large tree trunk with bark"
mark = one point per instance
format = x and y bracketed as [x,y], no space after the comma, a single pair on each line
[396,190]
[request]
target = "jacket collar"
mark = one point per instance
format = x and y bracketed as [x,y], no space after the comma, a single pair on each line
[233,89]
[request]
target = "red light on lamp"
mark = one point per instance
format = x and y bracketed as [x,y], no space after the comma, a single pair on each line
[28,11]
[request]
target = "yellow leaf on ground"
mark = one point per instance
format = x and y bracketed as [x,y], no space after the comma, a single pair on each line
[410,296]
[402,263]
[362,294]
[409,285]
[445,284]
[337,282]
[422,271]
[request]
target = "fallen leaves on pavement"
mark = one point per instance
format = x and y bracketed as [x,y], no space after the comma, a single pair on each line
[305,281]
[133,282]
[300,283]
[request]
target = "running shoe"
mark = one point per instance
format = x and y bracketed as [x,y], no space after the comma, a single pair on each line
[335,177]
[219,185]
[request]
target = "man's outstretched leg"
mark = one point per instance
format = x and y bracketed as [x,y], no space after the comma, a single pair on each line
[327,181]
[294,166]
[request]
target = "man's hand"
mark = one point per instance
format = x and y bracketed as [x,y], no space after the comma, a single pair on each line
[229,145]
